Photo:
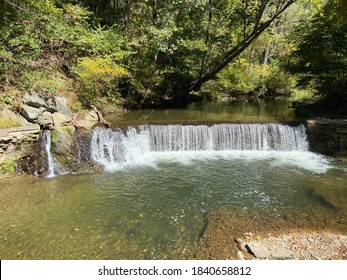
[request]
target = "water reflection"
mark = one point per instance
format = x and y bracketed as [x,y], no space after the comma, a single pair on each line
[214,111]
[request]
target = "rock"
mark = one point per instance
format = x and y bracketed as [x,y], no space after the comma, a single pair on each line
[343,239]
[85,125]
[88,122]
[50,103]
[30,113]
[45,120]
[261,251]
[62,106]
[242,245]
[92,116]
[5,112]
[61,119]
[19,141]
[248,234]
[326,239]
[64,140]
[327,136]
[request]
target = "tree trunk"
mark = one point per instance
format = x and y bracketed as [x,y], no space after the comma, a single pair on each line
[229,56]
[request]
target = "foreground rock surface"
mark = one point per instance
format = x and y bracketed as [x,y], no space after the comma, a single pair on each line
[299,246]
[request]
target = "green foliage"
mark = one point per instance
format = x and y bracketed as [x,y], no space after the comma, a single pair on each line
[9,165]
[54,136]
[321,55]
[143,52]
[97,76]
[278,81]
[42,80]
[69,130]
[241,77]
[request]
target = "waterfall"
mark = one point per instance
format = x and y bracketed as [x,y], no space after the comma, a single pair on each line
[116,147]
[46,138]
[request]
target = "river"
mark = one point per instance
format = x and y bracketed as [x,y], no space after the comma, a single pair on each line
[152,201]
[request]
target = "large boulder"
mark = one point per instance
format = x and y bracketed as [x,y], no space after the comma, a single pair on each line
[30,113]
[50,103]
[64,139]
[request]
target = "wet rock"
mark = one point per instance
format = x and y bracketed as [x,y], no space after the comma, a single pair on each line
[64,140]
[45,120]
[327,136]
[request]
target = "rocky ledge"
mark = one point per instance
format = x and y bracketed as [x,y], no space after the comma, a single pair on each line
[41,111]
[17,141]
[328,136]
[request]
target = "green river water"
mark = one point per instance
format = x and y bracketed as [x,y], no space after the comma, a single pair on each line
[157,210]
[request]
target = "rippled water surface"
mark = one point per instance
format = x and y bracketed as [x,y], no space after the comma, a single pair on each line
[156,212]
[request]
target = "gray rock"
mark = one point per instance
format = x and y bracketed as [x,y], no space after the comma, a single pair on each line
[242,245]
[261,251]
[88,122]
[50,103]
[30,113]
[64,140]
[5,112]
[62,106]
[92,116]
[85,125]
[61,119]
[45,120]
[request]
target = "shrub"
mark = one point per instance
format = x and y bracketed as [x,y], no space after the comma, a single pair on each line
[9,165]
[98,77]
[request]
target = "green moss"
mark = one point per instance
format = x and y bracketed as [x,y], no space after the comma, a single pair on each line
[54,136]
[9,165]
[69,130]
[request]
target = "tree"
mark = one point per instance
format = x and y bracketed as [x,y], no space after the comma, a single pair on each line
[321,55]
[178,45]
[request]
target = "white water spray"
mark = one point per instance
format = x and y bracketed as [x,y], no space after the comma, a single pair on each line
[47,144]
[147,144]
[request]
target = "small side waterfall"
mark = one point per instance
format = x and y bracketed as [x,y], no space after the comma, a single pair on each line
[117,147]
[46,138]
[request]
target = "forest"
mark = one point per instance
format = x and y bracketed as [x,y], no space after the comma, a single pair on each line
[155,53]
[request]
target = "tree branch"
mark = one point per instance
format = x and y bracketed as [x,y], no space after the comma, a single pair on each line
[225,59]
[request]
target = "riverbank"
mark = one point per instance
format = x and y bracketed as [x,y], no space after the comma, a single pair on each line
[232,234]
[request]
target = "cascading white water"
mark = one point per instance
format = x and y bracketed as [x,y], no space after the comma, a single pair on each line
[260,137]
[46,137]
[148,144]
